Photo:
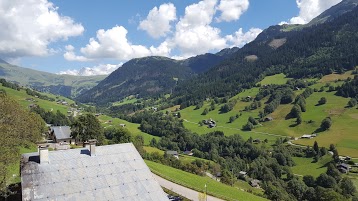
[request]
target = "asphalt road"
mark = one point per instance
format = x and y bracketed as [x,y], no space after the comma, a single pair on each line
[184,191]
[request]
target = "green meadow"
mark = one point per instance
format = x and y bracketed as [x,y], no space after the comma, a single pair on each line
[197,183]
[108,121]
[306,166]
[20,97]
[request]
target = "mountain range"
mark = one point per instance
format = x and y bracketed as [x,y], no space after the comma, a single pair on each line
[327,43]
[66,85]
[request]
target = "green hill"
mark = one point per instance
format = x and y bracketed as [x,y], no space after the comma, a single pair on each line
[65,85]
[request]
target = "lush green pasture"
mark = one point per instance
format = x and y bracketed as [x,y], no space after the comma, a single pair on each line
[21,95]
[306,166]
[125,101]
[192,117]
[274,79]
[133,128]
[197,183]
[149,149]
[343,130]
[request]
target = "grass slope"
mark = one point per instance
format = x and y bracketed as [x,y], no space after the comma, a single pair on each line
[132,127]
[197,183]
[30,77]
[21,95]
[306,166]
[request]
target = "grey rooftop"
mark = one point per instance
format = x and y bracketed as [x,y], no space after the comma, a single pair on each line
[116,172]
[61,132]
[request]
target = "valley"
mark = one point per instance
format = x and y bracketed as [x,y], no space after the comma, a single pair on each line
[275,118]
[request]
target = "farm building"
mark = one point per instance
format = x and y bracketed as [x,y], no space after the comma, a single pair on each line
[306,136]
[122,125]
[343,167]
[173,153]
[255,183]
[61,134]
[112,172]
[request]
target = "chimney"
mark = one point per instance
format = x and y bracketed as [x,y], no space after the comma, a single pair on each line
[43,152]
[92,147]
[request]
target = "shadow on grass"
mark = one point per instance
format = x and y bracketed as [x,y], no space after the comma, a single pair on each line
[318,130]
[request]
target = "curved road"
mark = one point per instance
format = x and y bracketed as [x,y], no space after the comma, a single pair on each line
[181,190]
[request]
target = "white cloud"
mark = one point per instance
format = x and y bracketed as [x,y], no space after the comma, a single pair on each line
[71,56]
[310,9]
[193,34]
[239,38]
[113,43]
[158,21]
[232,9]
[30,26]
[102,69]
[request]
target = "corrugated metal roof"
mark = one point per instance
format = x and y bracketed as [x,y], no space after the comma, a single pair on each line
[61,132]
[117,172]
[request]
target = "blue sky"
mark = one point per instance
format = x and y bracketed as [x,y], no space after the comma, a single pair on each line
[67,36]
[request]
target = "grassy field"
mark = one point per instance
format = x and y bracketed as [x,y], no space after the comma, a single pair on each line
[127,100]
[133,128]
[197,183]
[21,95]
[342,133]
[192,117]
[274,79]
[306,166]
[149,149]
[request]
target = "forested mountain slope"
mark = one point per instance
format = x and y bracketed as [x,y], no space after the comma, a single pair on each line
[308,52]
[151,76]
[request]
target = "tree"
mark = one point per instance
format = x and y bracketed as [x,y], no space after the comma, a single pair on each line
[232,119]
[205,112]
[253,120]
[322,101]
[87,127]
[248,127]
[333,172]
[179,115]
[348,188]
[309,180]
[295,111]
[118,135]
[352,102]
[326,123]
[315,147]
[326,181]
[299,120]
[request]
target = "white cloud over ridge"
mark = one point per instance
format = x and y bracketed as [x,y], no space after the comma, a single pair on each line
[193,34]
[310,9]
[232,9]
[31,26]
[102,69]
[157,23]
[239,38]
[113,43]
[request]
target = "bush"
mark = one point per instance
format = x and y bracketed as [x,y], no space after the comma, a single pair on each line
[322,101]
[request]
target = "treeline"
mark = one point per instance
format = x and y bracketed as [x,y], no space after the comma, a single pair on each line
[55,119]
[9,84]
[349,88]
[38,95]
